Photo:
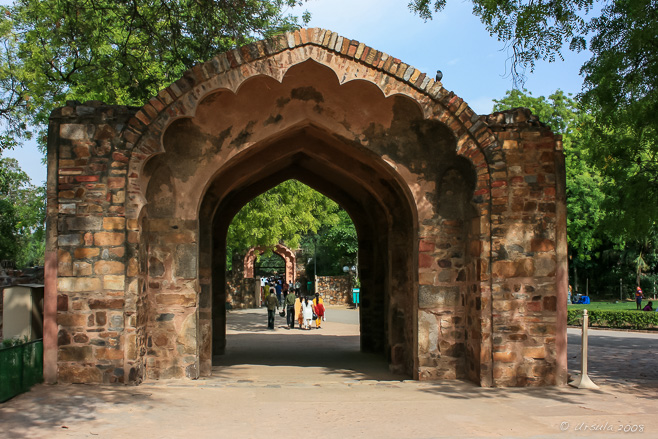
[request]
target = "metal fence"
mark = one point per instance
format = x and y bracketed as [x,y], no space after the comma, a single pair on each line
[20,368]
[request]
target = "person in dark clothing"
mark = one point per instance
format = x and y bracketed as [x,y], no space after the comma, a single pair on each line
[272,306]
[290,309]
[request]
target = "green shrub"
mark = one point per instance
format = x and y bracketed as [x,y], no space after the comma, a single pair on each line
[11,342]
[615,319]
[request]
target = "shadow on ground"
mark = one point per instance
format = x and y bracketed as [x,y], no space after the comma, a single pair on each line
[56,408]
[624,360]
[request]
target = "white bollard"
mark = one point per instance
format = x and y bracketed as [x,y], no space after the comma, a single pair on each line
[583,381]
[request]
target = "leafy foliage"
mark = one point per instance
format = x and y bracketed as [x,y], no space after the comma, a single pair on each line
[332,248]
[622,93]
[22,216]
[533,30]
[620,86]
[116,51]
[297,216]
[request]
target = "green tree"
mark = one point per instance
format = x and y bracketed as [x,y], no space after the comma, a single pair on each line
[116,51]
[22,216]
[332,247]
[620,88]
[532,30]
[283,214]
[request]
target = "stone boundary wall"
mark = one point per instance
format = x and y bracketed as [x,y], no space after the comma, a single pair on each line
[335,290]
[241,293]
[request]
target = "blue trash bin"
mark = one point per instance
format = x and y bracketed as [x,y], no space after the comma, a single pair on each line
[355,296]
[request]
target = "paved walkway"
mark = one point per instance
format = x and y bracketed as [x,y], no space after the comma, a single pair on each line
[325,388]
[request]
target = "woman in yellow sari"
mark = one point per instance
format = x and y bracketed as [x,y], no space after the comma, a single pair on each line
[298,311]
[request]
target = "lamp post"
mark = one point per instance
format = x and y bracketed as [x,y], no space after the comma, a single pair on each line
[350,270]
[315,262]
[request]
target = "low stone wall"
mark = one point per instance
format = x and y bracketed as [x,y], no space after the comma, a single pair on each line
[335,290]
[242,293]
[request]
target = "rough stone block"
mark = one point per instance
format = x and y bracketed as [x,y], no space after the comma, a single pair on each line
[73,131]
[84,223]
[76,374]
[186,261]
[71,320]
[78,284]
[108,238]
[109,267]
[435,297]
[114,282]
[72,239]
[75,353]
[109,354]
[114,223]
[81,268]
[106,304]
[86,252]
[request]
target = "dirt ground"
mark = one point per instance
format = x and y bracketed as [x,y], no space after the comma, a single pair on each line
[293,383]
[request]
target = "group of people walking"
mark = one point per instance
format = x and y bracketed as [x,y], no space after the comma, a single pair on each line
[296,308]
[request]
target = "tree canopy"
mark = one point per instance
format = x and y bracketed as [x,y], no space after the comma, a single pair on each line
[117,51]
[22,216]
[299,217]
[620,90]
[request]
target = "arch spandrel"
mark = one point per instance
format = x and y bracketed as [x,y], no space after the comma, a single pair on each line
[349,60]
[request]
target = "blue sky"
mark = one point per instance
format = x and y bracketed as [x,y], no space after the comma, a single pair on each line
[473,63]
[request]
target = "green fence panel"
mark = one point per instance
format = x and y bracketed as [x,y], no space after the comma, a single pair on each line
[20,368]
[32,364]
[11,360]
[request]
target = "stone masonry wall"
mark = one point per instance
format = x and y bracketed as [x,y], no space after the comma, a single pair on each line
[483,302]
[524,263]
[95,318]
[335,290]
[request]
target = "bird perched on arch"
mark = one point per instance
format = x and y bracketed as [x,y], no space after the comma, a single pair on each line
[439,75]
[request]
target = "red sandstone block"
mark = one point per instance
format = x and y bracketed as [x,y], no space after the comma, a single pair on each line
[425,260]
[351,51]
[534,306]
[504,357]
[116,182]
[106,303]
[120,157]
[109,354]
[143,117]
[426,246]
[542,245]
[84,178]
[86,252]
[62,302]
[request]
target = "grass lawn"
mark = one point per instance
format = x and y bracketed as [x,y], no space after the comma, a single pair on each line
[626,305]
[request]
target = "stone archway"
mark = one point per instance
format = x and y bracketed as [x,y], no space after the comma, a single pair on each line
[288,256]
[461,218]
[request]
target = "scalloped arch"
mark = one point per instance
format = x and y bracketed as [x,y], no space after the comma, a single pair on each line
[349,59]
